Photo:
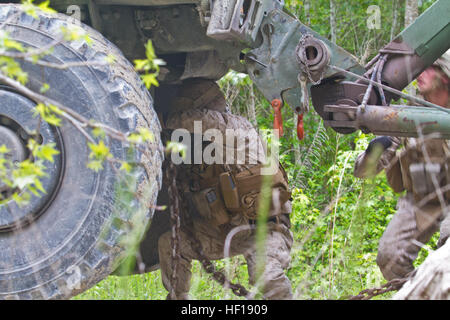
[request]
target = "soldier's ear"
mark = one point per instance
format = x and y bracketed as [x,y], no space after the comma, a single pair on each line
[442,75]
[445,79]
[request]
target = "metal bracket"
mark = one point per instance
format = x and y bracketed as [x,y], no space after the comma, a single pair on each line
[239,19]
[94,15]
[275,66]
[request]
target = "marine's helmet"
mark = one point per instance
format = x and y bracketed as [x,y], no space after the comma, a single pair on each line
[444,63]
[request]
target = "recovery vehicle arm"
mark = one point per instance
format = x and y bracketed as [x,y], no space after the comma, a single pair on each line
[289,61]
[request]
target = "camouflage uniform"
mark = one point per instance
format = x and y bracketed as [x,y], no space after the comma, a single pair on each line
[421,168]
[210,223]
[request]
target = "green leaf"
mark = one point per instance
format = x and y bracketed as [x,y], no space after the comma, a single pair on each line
[176,147]
[146,135]
[23,181]
[150,51]
[99,133]
[125,166]
[111,59]
[30,8]
[49,113]
[44,6]
[99,151]
[45,87]
[149,80]
[47,152]
[4,149]
[141,65]
[11,44]
[95,165]
[39,185]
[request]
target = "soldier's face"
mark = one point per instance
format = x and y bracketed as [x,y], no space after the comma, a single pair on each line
[430,80]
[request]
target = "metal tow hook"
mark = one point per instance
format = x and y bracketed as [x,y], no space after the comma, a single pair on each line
[277,104]
[300,128]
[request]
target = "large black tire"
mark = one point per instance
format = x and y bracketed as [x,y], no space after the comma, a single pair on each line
[78,239]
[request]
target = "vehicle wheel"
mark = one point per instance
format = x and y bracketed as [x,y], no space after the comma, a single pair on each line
[69,239]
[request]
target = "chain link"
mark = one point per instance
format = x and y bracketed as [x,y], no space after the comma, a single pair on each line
[393,285]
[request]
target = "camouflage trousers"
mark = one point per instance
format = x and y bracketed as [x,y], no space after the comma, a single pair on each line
[409,229]
[279,240]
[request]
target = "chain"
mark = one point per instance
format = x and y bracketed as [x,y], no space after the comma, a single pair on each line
[305,95]
[392,285]
[175,217]
[301,47]
[383,60]
[375,74]
[370,86]
[171,175]
[219,276]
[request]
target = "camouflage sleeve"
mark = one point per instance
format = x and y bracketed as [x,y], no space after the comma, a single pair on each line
[234,136]
[363,161]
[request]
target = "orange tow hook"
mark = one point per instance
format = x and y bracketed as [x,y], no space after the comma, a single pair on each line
[277,104]
[300,129]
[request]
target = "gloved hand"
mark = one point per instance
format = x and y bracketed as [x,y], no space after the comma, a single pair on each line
[383,141]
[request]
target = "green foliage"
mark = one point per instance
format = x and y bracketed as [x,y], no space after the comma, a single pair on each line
[30,8]
[49,113]
[338,230]
[25,175]
[149,66]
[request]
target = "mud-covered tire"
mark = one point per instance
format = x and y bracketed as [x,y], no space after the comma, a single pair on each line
[78,240]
